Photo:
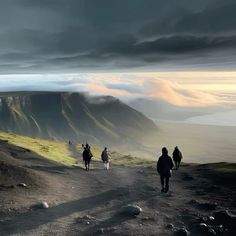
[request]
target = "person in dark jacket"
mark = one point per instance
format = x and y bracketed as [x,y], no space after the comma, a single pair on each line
[177,157]
[87,155]
[164,167]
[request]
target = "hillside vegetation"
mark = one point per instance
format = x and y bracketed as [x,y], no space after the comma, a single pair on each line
[75,116]
[53,150]
[223,167]
[59,151]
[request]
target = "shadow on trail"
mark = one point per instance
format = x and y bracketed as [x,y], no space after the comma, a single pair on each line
[32,219]
[51,169]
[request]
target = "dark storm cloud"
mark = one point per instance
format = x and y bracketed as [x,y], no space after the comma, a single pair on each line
[179,44]
[217,17]
[71,35]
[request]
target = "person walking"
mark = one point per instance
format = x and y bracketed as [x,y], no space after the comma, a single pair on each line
[87,155]
[106,158]
[164,167]
[177,157]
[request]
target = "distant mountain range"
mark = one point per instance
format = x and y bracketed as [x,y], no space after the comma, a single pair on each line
[74,116]
[161,110]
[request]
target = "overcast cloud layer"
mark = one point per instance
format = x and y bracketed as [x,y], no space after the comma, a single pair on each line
[83,35]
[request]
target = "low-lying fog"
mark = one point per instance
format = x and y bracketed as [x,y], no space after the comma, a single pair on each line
[227,118]
[199,143]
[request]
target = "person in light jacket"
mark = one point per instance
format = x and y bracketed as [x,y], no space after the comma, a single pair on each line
[106,158]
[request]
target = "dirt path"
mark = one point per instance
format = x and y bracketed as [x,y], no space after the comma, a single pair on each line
[88,203]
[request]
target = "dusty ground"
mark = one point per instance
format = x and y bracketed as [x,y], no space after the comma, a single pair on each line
[88,203]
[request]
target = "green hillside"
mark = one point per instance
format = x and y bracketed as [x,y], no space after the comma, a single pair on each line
[60,152]
[74,116]
[53,150]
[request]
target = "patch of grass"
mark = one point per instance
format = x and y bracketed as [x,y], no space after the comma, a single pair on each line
[53,150]
[222,173]
[223,167]
[131,161]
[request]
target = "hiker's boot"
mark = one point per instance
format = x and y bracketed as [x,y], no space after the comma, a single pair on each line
[166,189]
[163,190]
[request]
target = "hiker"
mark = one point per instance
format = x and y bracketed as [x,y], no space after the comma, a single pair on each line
[87,155]
[106,158]
[164,167]
[177,157]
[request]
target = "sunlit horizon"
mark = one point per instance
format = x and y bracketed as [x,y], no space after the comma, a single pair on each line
[185,88]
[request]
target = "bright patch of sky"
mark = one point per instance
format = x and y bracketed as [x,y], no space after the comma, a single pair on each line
[190,89]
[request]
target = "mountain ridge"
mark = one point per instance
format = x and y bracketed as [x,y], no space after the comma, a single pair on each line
[75,116]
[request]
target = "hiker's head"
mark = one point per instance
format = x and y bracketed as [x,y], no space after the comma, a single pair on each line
[176,147]
[164,151]
[105,148]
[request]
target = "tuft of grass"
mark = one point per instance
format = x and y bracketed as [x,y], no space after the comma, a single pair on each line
[53,150]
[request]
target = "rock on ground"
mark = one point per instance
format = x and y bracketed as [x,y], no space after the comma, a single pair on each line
[131,210]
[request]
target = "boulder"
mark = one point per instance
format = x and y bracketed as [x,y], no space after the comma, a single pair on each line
[182,232]
[23,185]
[41,205]
[211,218]
[131,210]
[45,205]
[203,225]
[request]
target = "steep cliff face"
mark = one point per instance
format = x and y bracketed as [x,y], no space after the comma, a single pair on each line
[73,116]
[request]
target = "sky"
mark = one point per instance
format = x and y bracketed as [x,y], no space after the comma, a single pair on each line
[182,52]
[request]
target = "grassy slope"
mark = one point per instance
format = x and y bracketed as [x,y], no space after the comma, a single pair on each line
[58,151]
[222,167]
[52,150]
[223,173]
